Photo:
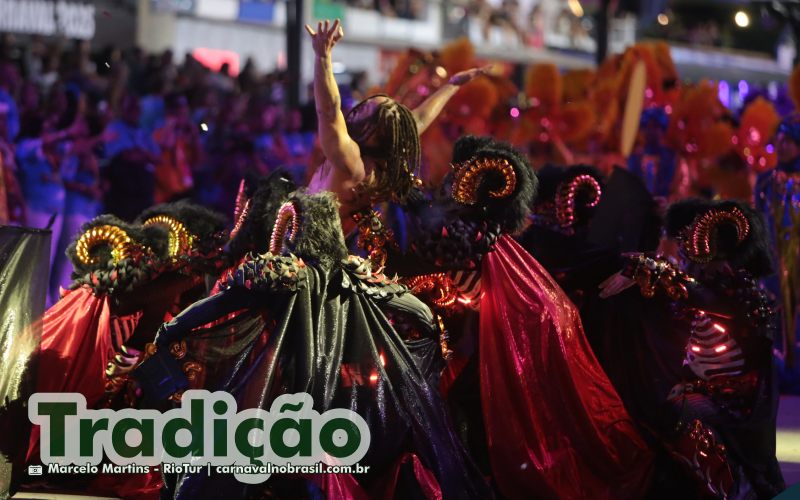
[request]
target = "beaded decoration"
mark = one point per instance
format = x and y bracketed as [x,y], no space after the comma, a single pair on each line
[240,209]
[373,236]
[180,239]
[470,174]
[287,223]
[565,198]
[113,236]
[699,242]
[439,286]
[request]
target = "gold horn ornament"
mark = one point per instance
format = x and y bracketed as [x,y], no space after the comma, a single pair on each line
[113,236]
[699,243]
[180,239]
[470,174]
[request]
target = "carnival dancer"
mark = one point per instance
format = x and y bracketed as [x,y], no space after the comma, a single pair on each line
[373,153]
[315,319]
[718,420]
[526,392]
[127,278]
[558,235]
[581,226]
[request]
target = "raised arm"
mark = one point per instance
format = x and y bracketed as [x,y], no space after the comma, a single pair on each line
[426,113]
[337,145]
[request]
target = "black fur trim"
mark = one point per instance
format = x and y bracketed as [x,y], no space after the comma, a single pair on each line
[320,236]
[510,212]
[266,195]
[752,255]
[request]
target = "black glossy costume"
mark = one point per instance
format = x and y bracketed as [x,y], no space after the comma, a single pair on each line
[351,339]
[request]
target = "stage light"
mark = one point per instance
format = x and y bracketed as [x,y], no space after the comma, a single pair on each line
[742,19]
[204,127]
[663,19]
[514,112]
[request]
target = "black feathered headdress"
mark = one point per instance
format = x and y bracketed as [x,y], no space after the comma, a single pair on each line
[257,207]
[729,231]
[494,180]
[191,228]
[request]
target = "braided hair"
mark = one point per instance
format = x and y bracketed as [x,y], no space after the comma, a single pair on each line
[389,136]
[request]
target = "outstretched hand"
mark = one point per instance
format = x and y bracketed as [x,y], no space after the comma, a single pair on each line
[615,284]
[326,36]
[468,75]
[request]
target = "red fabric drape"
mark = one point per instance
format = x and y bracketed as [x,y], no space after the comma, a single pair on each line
[75,349]
[556,427]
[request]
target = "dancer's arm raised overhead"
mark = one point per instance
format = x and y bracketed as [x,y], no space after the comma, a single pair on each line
[338,147]
[426,113]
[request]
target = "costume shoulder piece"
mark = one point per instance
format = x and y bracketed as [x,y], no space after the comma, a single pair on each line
[110,255]
[268,272]
[567,197]
[307,229]
[489,192]
[256,207]
[727,231]
[195,234]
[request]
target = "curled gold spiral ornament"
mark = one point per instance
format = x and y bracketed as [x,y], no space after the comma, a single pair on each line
[439,287]
[180,239]
[286,226]
[565,197]
[470,174]
[700,243]
[113,236]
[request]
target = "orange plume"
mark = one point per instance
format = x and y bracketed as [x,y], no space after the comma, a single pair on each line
[578,84]
[756,128]
[544,86]
[476,99]
[577,121]
[794,87]
[458,55]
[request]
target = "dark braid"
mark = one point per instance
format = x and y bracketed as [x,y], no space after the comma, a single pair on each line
[397,149]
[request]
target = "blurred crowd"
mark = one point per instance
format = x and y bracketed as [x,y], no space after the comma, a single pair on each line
[405,9]
[84,133]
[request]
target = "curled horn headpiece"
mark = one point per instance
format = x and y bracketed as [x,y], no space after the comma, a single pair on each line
[565,197]
[180,239]
[112,236]
[240,209]
[700,244]
[470,174]
[287,224]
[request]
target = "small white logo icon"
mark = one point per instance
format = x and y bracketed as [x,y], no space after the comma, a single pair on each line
[35,470]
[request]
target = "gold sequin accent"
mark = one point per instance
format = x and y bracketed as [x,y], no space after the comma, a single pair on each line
[113,236]
[470,174]
[699,243]
[180,239]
